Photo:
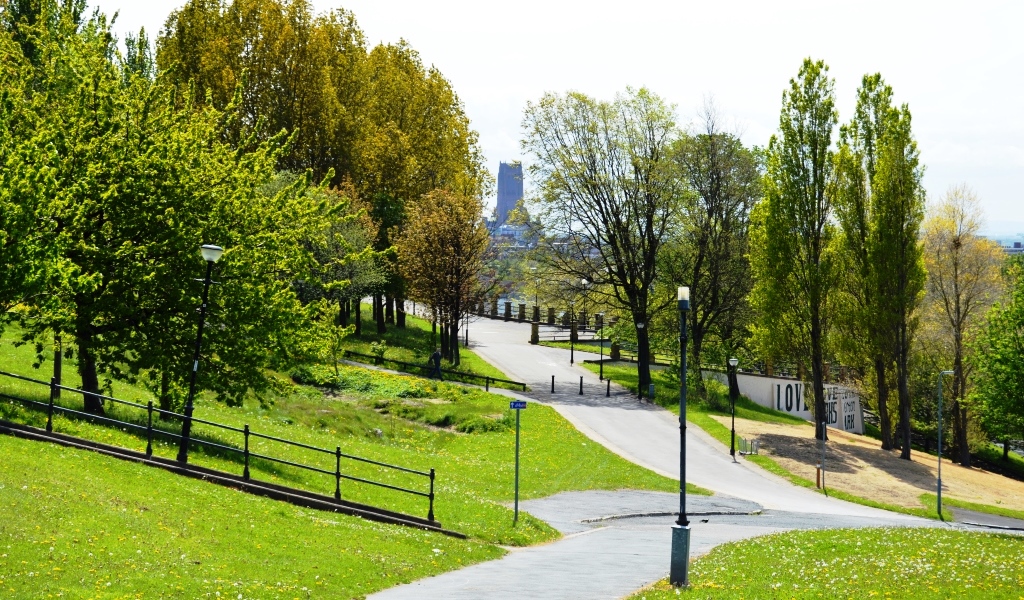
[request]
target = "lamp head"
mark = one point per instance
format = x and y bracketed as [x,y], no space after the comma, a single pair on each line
[683,296]
[211,253]
[947,373]
[733,362]
[584,282]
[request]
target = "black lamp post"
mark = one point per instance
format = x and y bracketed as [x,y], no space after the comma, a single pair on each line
[679,572]
[572,338]
[211,254]
[734,390]
[938,489]
[600,349]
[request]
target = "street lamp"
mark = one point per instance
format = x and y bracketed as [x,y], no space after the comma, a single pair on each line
[211,254]
[572,338]
[734,390]
[678,574]
[938,490]
[600,349]
[586,317]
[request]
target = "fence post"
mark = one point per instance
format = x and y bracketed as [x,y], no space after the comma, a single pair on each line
[245,473]
[430,513]
[149,429]
[337,473]
[49,409]
[487,384]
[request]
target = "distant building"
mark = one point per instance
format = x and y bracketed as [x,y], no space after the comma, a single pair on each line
[1016,248]
[510,190]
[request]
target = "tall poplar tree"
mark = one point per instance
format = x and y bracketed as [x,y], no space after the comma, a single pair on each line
[793,255]
[880,205]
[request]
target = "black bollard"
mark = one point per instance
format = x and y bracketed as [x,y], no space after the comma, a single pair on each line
[581,385]
[552,384]
[608,392]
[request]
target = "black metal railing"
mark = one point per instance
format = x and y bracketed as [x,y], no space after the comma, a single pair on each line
[151,432]
[412,369]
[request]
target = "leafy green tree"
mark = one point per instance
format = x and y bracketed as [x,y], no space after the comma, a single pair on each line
[793,234]
[607,195]
[440,255]
[132,179]
[880,205]
[999,357]
[963,282]
[710,248]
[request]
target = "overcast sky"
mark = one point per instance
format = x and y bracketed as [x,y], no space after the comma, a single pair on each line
[959,66]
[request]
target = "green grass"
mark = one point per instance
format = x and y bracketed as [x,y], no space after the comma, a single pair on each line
[414,344]
[994,455]
[700,415]
[863,563]
[90,526]
[419,423]
[930,500]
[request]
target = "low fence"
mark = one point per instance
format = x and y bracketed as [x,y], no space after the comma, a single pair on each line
[410,367]
[153,432]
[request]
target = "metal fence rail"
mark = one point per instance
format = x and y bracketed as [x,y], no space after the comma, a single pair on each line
[51,407]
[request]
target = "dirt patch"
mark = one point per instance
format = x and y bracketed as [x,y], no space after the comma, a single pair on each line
[857,465]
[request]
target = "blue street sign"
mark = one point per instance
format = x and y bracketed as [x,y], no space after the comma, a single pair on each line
[517,404]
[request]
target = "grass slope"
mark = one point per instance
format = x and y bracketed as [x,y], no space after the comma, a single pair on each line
[395,419]
[921,564]
[414,344]
[90,526]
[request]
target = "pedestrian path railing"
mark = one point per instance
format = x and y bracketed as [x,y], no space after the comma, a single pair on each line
[330,463]
[423,370]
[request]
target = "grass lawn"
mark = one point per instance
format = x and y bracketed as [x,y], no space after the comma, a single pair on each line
[862,563]
[90,526]
[465,434]
[414,344]
[667,395]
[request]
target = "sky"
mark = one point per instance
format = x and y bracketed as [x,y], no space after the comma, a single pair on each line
[959,66]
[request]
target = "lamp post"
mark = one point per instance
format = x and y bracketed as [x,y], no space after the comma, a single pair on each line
[678,574]
[938,487]
[211,254]
[572,338]
[600,349]
[734,389]
[586,317]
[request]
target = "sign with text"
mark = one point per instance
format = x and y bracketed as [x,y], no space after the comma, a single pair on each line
[517,404]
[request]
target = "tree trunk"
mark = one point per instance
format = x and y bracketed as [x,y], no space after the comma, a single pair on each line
[90,379]
[400,313]
[884,420]
[1006,450]
[963,451]
[343,308]
[389,310]
[454,345]
[903,387]
[378,305]
[358,310]
[817,360]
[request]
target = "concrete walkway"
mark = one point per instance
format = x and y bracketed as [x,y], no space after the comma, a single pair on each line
[645,434]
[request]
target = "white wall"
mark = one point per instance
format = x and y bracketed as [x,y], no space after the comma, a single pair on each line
[788,395]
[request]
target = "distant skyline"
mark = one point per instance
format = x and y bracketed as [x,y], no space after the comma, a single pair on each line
[956,64]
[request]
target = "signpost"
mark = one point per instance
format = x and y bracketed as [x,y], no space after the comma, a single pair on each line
[518,406]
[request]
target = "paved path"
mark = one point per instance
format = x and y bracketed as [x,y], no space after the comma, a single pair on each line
[645,434]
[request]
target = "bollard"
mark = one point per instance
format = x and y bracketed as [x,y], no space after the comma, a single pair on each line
[487,384]
[581,385]
[552,384]
[608,392]
[817,479]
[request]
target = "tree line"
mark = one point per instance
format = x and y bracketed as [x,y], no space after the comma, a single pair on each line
[818,249]
[256,125]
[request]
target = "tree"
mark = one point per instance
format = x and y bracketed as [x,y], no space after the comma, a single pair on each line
[607,195]
[293,71]
[440,255]
[133,178]
[880,205]
[711,246]
[793,255]
[999,359]
[963,282]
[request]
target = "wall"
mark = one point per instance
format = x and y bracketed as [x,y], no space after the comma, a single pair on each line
[788,395]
